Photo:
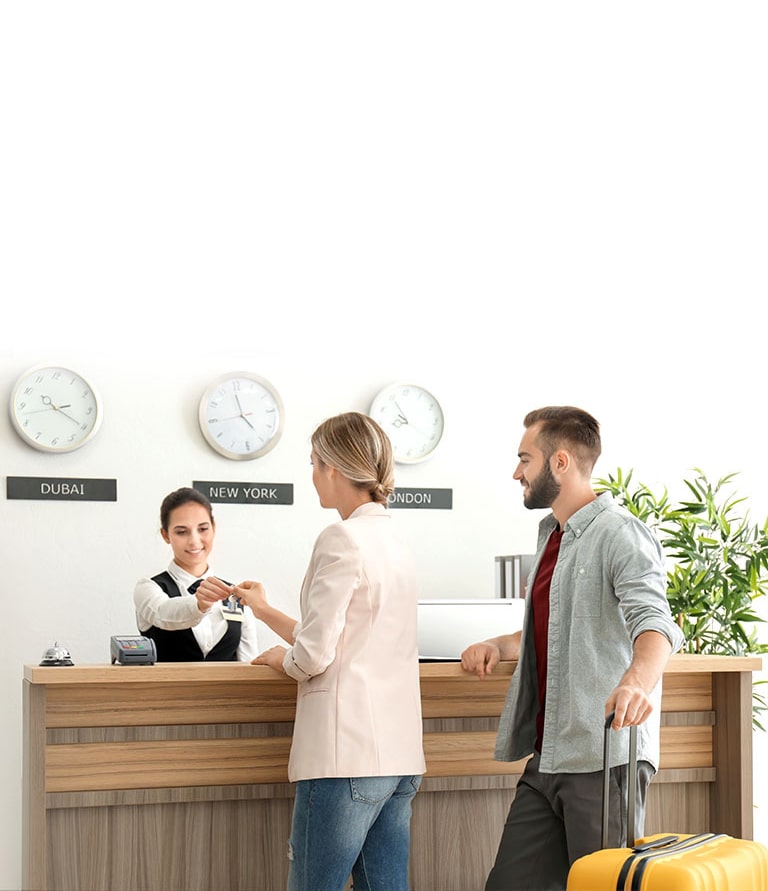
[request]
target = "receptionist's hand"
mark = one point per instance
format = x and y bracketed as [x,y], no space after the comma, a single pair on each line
[210,591]
[272,657]
[481,658]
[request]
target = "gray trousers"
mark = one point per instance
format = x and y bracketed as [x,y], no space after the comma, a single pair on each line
[555,819]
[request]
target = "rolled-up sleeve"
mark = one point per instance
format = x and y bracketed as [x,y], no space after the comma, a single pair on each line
[640,584]
[334,575]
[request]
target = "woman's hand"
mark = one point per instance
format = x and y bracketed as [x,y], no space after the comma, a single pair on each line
[254,594]
[272,657]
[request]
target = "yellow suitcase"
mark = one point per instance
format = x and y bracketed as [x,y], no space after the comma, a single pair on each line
[667,861]
[704,862]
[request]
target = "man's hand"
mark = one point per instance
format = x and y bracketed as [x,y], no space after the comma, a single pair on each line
[631,698]
[630,704]
[481,658]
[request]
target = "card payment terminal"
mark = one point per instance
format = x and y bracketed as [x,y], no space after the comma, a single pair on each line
[133,650]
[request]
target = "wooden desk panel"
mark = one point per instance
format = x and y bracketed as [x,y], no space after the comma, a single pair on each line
[145,776]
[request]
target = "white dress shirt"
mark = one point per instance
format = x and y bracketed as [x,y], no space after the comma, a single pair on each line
[155,608]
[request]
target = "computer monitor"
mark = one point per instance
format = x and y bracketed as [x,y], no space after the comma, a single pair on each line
[447,627]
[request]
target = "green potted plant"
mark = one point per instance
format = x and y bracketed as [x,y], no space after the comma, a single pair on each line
[717,561]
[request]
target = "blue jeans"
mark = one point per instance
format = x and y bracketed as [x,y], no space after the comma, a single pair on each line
[359,826]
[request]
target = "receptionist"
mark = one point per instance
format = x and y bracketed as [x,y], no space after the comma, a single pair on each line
[185,623]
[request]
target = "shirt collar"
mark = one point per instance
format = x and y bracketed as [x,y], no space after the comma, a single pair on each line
[579,521]
[370,509]
[183,577]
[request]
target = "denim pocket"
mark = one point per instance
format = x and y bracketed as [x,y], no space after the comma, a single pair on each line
[372,790]
[409,786]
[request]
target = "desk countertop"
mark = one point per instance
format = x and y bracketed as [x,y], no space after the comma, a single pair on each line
[235,672]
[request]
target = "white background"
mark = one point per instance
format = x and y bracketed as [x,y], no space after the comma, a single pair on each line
[511,204]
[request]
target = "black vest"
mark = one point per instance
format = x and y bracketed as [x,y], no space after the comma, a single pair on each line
[182,646]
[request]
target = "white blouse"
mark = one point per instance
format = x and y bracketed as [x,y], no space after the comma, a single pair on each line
[155,608]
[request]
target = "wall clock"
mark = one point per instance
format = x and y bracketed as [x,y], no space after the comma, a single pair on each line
[241,415]
[412,418]
[55,409]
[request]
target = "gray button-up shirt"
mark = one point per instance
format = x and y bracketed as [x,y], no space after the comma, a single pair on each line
[608,587]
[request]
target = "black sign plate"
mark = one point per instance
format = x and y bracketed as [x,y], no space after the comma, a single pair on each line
[422,499]
[54,488]
[245,493]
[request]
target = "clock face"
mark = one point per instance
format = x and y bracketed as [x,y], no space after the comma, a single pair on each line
[54,409]
[412,418]
[241,416]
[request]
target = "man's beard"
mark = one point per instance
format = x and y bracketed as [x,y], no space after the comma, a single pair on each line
[543,490]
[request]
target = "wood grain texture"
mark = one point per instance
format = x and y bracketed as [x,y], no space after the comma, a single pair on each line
[174,776]
[240,846]
[686,692]
[239,672]
[686,746]
[731,795]
[164,764]
[34,823]
[220,762]
[110,705]
[676,807]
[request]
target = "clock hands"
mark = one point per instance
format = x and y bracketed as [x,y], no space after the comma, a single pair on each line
[242,413]
[49,402]
[234,417]
[412,417]
[401,418]
[50,405]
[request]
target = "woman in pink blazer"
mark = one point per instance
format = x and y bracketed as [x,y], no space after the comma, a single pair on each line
[356,755]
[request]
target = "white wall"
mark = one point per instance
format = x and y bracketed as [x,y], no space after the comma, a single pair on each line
[511,205]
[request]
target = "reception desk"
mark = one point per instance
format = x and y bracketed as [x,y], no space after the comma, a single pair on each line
[173,776]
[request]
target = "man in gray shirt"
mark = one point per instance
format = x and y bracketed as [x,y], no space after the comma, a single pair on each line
[596,638]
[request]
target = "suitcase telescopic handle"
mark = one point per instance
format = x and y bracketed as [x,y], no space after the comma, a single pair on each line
[631,781]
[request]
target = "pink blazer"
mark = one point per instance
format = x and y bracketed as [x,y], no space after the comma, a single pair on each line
[355,655]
